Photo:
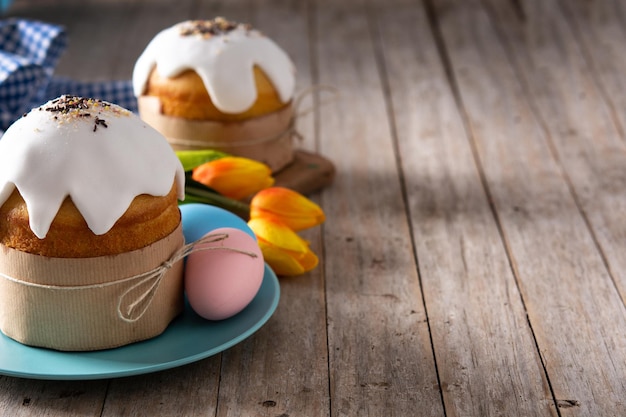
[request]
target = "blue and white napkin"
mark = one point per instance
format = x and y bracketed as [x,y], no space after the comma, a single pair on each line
[29,53]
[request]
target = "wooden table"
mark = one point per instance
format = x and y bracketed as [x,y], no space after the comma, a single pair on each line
[473,260]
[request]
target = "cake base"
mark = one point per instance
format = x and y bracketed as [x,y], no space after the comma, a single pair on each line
[82,304]
[267,138]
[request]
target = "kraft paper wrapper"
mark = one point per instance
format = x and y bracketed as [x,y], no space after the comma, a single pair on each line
[81,319]
[266,138]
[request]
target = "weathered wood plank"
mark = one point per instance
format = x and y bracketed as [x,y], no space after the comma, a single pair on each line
[288,357]
[485,351]
[190,390]
[139,21]
[26,397]
[381,359]
[600,29]
[541,180]
[596,163]
[575,312]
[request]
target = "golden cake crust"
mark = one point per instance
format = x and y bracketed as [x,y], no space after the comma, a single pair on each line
[186,96]
[147,220]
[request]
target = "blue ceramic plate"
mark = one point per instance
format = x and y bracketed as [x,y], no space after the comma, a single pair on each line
[189,338]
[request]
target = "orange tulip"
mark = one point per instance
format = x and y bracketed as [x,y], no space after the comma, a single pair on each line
[287,206]
[285,252]
[234,177]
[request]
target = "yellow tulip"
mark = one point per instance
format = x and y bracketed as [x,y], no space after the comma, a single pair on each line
[285,252]
[234,176]
[287,206]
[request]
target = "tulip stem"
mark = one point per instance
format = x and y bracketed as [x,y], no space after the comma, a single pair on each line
[197,194]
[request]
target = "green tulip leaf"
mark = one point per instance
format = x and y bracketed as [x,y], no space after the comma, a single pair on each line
[192,159]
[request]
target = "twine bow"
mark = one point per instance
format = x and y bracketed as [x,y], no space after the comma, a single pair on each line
[137,308]
[130,307]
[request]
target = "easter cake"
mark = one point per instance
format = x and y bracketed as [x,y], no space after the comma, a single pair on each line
[221,85]
[88,214]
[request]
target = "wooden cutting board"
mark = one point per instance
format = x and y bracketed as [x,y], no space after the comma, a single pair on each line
[309,172]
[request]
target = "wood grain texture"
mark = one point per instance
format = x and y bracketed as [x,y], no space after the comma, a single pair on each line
[264,376]
[551,247]
[599,60]
[600,30]
[380,353]
[24,397]
[159,394]
[472,259]
[472,299]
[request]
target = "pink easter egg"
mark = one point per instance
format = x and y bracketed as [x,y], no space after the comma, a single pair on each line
[223,280]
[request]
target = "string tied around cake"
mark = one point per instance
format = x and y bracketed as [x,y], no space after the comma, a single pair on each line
[133,303]
[290,129]
[139,304]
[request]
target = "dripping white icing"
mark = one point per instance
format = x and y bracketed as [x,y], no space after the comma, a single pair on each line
[102,161]
[223,61]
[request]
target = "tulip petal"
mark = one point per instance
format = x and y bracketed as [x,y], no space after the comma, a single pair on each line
[278,234]
[287,206]
[287,263]
[308,260]
[280,261]
[234,177]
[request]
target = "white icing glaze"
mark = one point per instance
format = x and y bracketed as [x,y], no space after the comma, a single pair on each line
[49,156]
[224,62]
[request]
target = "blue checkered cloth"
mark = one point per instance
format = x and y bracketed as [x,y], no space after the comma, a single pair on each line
[29,53]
